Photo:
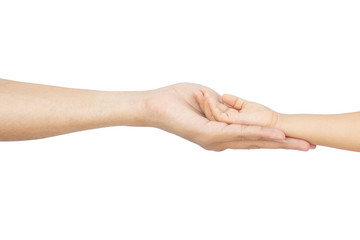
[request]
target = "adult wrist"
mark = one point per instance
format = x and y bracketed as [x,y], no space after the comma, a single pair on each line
[123,108]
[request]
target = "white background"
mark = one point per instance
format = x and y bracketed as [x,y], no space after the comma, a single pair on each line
[143,183]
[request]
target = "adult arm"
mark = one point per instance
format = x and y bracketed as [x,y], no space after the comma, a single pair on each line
[33,111]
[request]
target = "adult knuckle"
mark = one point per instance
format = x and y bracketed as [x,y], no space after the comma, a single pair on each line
[243,132]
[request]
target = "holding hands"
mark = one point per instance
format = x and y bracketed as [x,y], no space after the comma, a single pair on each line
[233,110]
[191,111]
[216,122]
[197,113]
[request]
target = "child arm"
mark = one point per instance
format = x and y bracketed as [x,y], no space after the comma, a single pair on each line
[337,130]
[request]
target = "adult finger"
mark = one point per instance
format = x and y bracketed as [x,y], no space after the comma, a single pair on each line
[222,132]
[290,143]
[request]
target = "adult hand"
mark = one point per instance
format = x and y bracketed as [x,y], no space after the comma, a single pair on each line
[175,110]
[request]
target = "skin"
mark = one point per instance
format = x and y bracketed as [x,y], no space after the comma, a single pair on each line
[337,130]
[33,111]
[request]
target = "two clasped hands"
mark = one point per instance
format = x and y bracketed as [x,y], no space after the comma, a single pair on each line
[192,111]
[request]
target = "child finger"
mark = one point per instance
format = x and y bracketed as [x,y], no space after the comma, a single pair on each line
[233,101]
[206,107]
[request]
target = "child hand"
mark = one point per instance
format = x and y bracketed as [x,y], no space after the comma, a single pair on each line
[235,110]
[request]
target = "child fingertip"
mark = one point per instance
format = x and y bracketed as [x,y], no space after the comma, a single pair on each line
[203,91]
[197,96]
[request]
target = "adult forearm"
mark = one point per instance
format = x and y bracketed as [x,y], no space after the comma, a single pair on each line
[338,130]
[31,111]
